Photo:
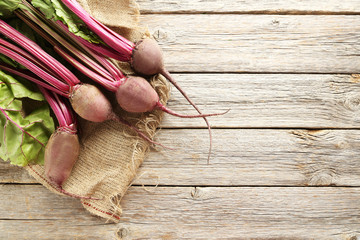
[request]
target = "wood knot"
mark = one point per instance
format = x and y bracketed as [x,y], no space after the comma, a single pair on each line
[342,144]
[122,233]
[201,193]
[352,102]
[350,237]
[322,177]
[275,22]
[195,193]
[161,35]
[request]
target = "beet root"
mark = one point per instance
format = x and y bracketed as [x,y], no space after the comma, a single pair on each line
[147,57]
[90,103]
[61,153]
[136,95]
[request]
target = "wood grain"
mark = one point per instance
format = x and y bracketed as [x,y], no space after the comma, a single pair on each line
[187,213]
[285,163]
[258,43]
[269,100]
[241,213]
[246,157]
[33,212]
[250,7]
[256,157]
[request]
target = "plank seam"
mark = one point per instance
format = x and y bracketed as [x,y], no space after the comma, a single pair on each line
[265,12]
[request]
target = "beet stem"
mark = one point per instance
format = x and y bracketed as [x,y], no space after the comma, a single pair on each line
[110,85]
[31,77]
[65,109]
[36,51]
[35,69]
[87,47]
[107,36]
[98,48]
[54,104]
[43,29]
[21,52]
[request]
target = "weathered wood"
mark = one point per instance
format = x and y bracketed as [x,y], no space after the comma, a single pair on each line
[258,43]
[248,6]
[256,157]
[241,213]
[187,213]
[33,212]
[252,157]
[255,183]
[13,174]
[269,100]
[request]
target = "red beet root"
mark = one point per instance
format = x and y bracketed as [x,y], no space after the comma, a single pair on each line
[90,103]
[61,153]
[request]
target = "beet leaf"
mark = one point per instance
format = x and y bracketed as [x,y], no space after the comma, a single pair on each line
[24,130]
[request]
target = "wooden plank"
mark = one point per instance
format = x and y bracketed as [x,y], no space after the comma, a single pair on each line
[241,213]
[250,157]
[255,157]
[13,174]
[33,212]
[187,213]
[258,43]
[248,6]
[269,100]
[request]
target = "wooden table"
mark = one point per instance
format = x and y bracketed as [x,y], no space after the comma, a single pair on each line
[286,158]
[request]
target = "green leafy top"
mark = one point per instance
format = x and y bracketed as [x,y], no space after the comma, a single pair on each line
[7,7]
[56,10]
[52,9]
[23,135]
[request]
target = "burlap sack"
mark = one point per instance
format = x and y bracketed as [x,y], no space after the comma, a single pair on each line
[110,153]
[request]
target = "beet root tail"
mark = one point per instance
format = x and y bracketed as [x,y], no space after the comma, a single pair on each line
[171,112]
[138,132]
[168,76]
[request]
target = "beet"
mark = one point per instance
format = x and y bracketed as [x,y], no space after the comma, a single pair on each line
[136,95]
[147,57]
[90,103]
[61,153]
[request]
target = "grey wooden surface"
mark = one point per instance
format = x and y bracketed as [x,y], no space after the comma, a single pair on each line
[286,160]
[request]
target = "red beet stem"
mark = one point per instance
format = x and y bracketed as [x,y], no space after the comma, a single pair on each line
[35,69]
[108,84]
[54,106]
[31,77]
[108,36]
[37,52]
[55,39]
[98,48]
[21,52]
[66,111]
[87,47]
